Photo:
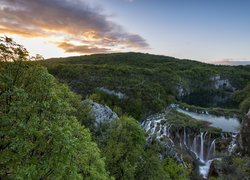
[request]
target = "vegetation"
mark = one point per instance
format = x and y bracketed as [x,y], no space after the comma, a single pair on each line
[174,170]
[129,156]
[218,111]
[180,120]
[242,97]
[43,132]
[150,82]
[124,148]
[40,137]
[232,168]
[47,133]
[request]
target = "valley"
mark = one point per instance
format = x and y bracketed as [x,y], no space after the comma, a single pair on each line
[124,90]
[190,108]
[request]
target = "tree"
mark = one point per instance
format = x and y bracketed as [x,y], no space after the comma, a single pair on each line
[124,148]
[39,136]
[10,51]
[151,165]
[243,98]
[175,170]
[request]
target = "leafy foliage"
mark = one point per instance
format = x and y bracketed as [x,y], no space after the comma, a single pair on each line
[151,165]
[124,148]
[243,98]
[232,168]
[39,136]
[11,51]
[150,82]
[174,170]
[42,123]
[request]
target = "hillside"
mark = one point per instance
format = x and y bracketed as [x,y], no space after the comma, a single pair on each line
[188,112]
[183,105]
[150,82]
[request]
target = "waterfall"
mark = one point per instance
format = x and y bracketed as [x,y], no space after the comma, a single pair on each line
[200,150]
[211,150]
[233,143]
[201,145]
[147,125]
[165,131]
[185,137]
[194,146]
[153,129]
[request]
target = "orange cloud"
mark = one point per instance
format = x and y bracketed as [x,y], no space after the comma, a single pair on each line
[20,32]
[69,20]
[82,49]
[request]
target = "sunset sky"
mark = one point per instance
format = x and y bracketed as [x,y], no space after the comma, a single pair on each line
[204,30]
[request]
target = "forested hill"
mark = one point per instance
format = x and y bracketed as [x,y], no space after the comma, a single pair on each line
[49,132]
[149,82]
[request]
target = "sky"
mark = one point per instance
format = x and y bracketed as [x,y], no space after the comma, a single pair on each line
[213,31]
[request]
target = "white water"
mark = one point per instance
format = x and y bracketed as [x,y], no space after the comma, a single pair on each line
[202,145]
[211,150]
[198,149]
[232,144]
[226,124]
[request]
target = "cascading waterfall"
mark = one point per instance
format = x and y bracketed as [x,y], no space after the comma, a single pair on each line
[194,146]
[157,126]
[233,143]
[200,145]
[198,148]
[211,150]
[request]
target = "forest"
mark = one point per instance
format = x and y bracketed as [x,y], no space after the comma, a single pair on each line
[151,82]
[48,132]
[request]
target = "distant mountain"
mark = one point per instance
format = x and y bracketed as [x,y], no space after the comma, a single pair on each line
[232,62]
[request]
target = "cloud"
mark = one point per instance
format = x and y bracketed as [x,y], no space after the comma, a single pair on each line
[232,62]
[82,49]
[68,20]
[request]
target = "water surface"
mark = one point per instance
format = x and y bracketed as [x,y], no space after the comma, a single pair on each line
[226,124]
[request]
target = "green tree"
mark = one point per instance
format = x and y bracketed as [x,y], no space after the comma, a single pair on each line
[39,137]
[124,148]
[175,170]
[151,166]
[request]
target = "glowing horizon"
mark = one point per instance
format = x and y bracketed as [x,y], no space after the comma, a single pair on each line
[207,32]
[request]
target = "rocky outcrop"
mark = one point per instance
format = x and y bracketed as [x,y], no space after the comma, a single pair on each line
[220,83]
[182,90]
[120,95]
[100,112]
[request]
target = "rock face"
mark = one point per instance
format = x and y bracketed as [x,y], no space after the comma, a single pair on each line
[112,92]
[245,134]
[100,112]
[182,90]
[220,83]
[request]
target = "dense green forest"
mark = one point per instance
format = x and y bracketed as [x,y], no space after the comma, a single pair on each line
[48,133]
[150,82]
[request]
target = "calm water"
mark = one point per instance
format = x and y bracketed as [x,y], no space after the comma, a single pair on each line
[226,124]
